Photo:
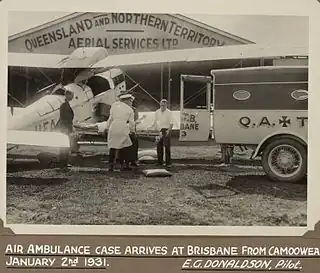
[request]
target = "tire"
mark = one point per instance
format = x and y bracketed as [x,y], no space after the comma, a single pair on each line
[47,160]
[294,151]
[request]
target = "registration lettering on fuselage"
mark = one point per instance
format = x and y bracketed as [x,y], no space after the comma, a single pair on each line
[45,126]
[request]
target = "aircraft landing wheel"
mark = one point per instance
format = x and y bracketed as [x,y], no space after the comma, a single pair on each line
[285,160]
[48,160]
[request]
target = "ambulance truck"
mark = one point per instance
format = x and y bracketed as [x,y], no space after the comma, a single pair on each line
[263,107]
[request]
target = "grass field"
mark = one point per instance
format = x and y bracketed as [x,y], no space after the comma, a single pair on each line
[196,194]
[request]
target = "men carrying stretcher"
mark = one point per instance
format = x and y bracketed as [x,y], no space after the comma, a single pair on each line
[121,128]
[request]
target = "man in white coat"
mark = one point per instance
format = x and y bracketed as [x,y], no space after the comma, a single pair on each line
[119,125]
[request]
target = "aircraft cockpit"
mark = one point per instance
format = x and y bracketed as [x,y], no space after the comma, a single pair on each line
[58,90]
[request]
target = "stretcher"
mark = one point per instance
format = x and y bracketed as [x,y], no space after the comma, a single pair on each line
[87,134]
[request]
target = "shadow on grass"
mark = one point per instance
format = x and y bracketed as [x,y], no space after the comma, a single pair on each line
[26,166]
[35,181]
[260,184]
[211,191]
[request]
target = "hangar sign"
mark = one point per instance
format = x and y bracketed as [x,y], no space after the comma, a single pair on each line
[120,33]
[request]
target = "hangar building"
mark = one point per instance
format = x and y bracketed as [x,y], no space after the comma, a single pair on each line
[123,33]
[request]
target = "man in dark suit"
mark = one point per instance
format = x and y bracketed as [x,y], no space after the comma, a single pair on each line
[66,125]
[133,158]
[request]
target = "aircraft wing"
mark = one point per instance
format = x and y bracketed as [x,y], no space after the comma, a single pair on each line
[35,60]
[202,54]
[97,57]
[80,58]
[42,139]
[147,119]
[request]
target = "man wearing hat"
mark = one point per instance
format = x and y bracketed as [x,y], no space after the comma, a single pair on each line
[119,125]
[163,122]
[129,155]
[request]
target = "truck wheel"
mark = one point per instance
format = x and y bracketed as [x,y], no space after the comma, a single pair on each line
[285,159]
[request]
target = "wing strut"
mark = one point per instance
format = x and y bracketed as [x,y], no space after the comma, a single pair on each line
[44,74]
[144,90]
[195,95]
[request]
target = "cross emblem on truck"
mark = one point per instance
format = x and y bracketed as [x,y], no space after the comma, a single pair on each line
[284,121]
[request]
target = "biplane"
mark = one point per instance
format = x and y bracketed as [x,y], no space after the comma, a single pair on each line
[94,90]
[93,67]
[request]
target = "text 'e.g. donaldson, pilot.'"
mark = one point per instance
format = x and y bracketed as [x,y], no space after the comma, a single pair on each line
[226,264]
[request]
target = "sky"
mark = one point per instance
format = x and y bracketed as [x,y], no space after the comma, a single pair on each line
[265,30]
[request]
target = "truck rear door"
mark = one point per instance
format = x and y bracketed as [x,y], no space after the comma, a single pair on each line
[195,108]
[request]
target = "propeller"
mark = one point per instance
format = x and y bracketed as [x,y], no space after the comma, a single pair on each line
[16,100]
